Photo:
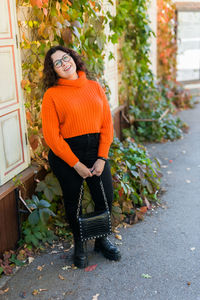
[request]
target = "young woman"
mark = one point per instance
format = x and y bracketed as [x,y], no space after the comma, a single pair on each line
[77,126]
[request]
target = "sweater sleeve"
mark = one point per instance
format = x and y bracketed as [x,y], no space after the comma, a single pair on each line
[106,131]
[51,132]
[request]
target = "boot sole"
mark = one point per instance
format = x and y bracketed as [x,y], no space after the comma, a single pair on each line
[108,255]
[81,264]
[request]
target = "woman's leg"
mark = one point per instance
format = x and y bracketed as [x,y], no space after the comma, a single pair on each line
[95,188]
[70,183]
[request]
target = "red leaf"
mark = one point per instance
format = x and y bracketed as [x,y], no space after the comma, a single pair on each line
[143,209]
[37,3]
[33,139]
[90,268]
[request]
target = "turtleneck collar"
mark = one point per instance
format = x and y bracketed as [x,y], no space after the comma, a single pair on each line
[79,82]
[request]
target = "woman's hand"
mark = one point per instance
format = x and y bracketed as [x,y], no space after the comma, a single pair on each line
[98,167]
[82,170]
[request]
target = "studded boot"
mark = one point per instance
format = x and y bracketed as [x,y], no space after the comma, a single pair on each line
[109,250]
[80,254]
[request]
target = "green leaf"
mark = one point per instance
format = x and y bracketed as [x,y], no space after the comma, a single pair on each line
[48,193]
[34,218]
[43,203]
[38,235]
[40,186]
[146,276]
[34,241]
[16,261]
[35,199]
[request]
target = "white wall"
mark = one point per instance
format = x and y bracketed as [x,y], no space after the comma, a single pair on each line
[152,11]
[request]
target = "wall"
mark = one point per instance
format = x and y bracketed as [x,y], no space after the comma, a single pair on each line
[111,68]
[153,42]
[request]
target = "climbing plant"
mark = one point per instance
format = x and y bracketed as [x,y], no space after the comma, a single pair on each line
[144,98]
[167,55]
[75,24]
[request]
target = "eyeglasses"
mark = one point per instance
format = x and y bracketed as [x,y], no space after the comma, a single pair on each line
[58,63]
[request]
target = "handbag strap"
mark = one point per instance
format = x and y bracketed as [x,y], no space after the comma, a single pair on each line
[81,196]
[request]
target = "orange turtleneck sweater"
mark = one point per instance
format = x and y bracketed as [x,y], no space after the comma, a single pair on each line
[73,108]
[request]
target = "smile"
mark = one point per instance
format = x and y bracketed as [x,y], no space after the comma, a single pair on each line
[66,69]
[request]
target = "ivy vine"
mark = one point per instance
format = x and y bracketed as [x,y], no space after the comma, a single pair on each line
[76,24]
[144,98]
[167,55]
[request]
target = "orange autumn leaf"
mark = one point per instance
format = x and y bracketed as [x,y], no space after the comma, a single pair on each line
[23,83]
[67,2]
[28,116]
[143,209]
[37,3]
[33,139]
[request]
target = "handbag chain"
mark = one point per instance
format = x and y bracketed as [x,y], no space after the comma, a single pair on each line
[81,195]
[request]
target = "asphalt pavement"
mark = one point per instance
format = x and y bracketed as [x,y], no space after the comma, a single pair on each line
[160,256]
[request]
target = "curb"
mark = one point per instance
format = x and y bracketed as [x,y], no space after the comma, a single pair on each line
[5,278]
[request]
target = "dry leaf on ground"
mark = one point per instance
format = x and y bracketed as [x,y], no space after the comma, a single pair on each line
[90,268]
[95,297]
[54,252]
[169,172]
[66,268]
[39,268]
[30,259]
[118,236]
[118,243]
[35,292]
[4,291]
[61,277]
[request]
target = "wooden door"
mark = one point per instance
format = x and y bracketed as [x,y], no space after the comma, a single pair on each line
[14,154]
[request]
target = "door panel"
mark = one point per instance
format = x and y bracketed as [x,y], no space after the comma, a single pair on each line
[14,152]
[7,77]
[5,20]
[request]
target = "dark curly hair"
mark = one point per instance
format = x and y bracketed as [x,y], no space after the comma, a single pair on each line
[50,77]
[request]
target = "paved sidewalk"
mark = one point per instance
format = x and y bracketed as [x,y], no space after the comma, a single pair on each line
[166,245]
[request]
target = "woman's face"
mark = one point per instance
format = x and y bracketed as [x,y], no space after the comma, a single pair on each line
[64,65]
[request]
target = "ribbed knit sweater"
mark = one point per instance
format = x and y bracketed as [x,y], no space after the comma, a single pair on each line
[73,108]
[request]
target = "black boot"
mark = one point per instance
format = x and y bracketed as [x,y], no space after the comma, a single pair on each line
[80,255]
[109,250]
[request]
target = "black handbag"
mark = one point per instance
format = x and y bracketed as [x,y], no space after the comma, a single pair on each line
[95,224]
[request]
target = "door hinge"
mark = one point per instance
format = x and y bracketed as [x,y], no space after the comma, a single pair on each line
[26,138]
[16,37]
